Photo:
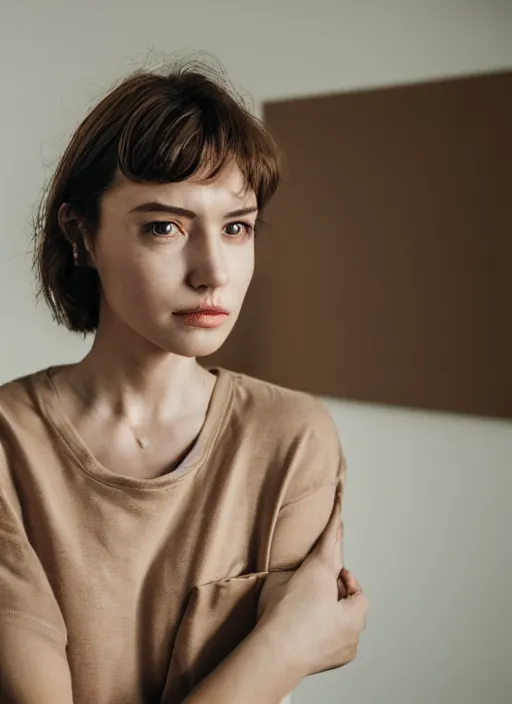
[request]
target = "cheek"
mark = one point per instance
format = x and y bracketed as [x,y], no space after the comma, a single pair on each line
[249,274]
[118,272]
[137,280]
[243,270]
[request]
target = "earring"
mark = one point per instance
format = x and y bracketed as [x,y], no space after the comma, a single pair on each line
[75,253]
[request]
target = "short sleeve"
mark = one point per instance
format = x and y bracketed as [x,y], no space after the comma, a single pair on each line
[314,475]
[26,597]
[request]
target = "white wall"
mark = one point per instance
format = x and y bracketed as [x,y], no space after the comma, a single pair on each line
[58,56]
[427,532]
[425,509]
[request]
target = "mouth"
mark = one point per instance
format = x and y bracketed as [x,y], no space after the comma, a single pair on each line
[203,317]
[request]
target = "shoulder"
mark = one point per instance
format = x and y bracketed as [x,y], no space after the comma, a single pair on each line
[12,402]
[291,431]
[293,413]
[20,416]
[18,393]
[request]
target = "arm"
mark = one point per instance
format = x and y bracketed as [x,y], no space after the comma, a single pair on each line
[32,670]
[315,476]
[253,673]
[33,663]
[296,636]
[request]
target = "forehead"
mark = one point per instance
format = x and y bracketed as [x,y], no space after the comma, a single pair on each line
[227,189]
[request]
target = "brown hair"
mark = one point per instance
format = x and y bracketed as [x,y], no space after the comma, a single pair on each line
[153,128]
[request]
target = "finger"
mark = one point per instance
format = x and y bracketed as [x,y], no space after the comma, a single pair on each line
[355,607]
[342,589]
[351,584]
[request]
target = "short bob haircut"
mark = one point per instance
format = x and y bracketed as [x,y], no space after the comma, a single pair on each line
[153,128]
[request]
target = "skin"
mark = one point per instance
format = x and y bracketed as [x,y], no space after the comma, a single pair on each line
[141,378]
[296,636]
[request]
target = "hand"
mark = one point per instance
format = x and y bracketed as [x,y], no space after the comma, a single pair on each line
[319,610]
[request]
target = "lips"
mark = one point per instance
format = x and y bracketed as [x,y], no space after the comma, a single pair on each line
[204,317]
[204,310]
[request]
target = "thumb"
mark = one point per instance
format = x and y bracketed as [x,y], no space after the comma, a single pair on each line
[355,606]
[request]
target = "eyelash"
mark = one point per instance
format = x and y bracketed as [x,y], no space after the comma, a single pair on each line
[249,229]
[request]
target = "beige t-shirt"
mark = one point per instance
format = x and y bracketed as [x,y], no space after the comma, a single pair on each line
[145,585]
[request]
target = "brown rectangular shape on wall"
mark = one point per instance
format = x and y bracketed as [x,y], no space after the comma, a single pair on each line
[385,275]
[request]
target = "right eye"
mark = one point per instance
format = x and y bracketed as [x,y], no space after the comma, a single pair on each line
[162,228]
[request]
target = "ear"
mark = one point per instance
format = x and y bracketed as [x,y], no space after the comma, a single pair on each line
[76,233]
[64,216]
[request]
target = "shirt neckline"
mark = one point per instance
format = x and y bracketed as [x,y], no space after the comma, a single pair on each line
[216,415]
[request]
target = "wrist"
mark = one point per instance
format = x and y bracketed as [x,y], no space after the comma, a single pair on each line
[277,649]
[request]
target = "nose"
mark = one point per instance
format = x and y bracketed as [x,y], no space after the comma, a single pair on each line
[207,268]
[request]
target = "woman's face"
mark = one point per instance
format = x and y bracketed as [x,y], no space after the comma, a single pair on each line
[167,249]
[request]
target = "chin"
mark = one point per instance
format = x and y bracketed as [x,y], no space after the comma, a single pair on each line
[198,343]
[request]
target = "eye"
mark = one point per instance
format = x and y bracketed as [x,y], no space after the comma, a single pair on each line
[238,229]
[162,228]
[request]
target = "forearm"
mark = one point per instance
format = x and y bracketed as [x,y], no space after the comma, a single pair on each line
[256,672]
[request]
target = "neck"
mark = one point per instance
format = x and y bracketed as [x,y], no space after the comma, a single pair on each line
[126,376]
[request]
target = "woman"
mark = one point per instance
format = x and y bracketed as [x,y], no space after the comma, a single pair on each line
[147,501]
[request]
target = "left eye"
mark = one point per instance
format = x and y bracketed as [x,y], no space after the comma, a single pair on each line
[234,229]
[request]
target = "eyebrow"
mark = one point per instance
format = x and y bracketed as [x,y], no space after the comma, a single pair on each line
[156,207]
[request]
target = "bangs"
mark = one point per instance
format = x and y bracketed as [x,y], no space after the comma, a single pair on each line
[152,127]
[164,143]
